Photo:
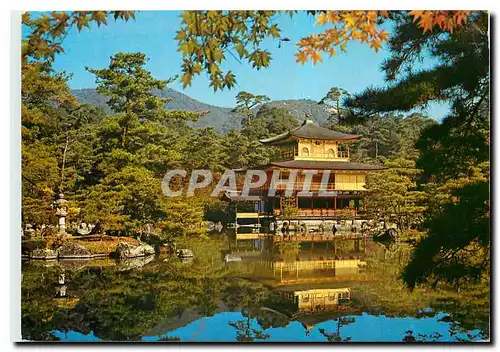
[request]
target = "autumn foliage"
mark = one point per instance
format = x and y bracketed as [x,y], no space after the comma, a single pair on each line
[445,20]
[364,26]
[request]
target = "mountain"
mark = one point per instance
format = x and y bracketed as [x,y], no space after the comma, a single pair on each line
[223,119]
[299,108]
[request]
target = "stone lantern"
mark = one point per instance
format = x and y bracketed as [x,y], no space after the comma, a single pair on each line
[61,212]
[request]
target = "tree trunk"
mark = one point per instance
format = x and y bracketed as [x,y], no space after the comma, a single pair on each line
[124,135]
[338,113]
[63,166]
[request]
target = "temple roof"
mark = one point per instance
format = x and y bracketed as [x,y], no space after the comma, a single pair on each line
[325,165]
[309,130]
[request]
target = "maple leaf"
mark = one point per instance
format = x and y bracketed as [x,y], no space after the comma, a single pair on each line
[321,19]
[427,21]
[301,57]
[316,56]
[416,15]
[371,15]
[333,16]
[376,44]
[440,20]
[186,79]
[349,19]
[355,34]
[372,29]
[383,35]
[100,17]
[461,16]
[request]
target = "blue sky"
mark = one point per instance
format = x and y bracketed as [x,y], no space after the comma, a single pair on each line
[153,33]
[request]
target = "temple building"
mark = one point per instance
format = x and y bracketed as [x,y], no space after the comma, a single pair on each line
[324,153]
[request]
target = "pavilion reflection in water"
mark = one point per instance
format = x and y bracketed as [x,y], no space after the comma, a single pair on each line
[312,261]
[320,299]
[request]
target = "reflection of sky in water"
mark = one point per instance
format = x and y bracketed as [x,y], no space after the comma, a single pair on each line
[76,336]
[366,328]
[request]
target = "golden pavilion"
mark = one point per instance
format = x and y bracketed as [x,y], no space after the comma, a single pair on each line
[324,153]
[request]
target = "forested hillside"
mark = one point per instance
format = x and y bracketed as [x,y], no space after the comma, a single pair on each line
[222,119]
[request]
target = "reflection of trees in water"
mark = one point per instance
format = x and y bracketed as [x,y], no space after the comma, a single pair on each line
[206,304]
[268,318]
[116,305]
[467,315]
[37,305]
[399,254]
[410,337]
[124,305]
[469,309]
[335,336]
[251,299]
[245,331]
[170,339]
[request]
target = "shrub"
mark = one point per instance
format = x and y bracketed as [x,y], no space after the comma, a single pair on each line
[30,245]
[98,244]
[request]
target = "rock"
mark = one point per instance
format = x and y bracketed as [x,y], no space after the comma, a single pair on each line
[134,263]
[232,258]
[219,226]
[211,226]
[72,250]
[389,235]
[186,260]
[83,229]
[128,250]
[43,254]
[73,265]
[167,249]
[185,253]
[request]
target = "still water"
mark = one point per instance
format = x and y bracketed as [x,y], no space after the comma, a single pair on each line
[248,289]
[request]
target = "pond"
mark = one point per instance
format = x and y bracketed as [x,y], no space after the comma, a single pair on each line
[248,289]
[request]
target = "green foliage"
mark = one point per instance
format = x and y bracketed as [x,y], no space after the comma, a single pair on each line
[454,152]
[290,208]
[334,99]
[30,245]
[47,31]
[460,76]
[205,38]
[243,149]
[111,165]
[392,195]
[182,217]
[132,150]
[456,248]
[204,150]
[288,250]
[389,136]
[453,148]
[270,121]
[40,179]
[129,87]
[48,111]
[246,103]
